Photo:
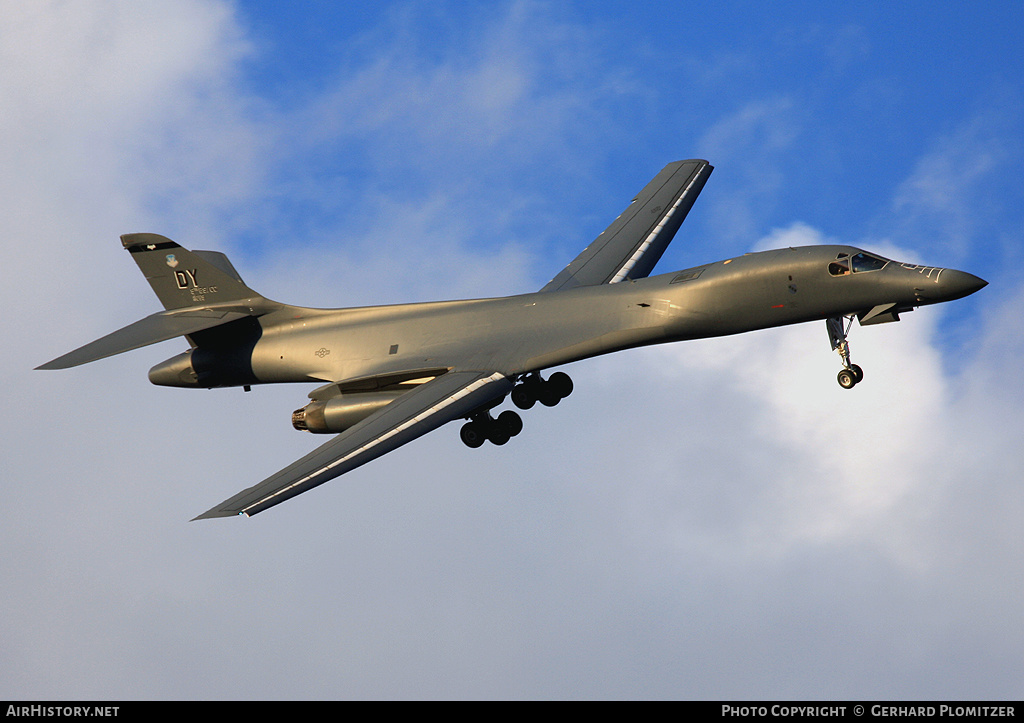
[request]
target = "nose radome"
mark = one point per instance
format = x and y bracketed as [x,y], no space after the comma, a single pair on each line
[957,284]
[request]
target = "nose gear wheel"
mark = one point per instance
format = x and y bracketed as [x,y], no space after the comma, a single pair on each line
[838,329]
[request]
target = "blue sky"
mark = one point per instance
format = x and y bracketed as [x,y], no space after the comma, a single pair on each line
[713,519]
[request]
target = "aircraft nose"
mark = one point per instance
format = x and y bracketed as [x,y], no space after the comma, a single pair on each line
[955,284]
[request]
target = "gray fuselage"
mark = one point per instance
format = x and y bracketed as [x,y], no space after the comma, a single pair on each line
[753,291]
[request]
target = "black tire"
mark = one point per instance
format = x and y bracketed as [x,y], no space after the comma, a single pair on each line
[472,435]
[561,383]
[858,373]
[498,435]
[510,422]
[523,396]
[549,396]
[847,379]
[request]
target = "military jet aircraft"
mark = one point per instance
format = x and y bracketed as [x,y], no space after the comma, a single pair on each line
[389,374]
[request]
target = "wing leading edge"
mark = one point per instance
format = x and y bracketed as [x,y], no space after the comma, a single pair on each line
[450,396]
[631,246]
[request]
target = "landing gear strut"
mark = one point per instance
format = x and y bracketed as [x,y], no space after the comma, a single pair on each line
[482,427]
[838,328]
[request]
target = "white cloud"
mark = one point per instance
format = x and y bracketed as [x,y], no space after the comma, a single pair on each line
[794,235]
[518,90]
[956,187]
[116,82]
[749,141]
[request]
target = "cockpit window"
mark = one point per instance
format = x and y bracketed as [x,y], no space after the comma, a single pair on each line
[858,262]
[867,262]
[839,267]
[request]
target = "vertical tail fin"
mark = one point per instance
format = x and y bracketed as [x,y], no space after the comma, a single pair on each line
[183,278]
[200,291]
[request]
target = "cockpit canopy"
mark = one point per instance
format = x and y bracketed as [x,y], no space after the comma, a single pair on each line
[859,262]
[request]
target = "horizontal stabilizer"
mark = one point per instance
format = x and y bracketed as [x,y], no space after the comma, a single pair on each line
[155,328]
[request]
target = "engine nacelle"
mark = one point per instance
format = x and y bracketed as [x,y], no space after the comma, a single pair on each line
[175,372]
[221,357]
[201,368]
[334,415]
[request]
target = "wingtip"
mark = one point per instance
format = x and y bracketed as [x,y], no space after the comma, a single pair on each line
[217,512]
[53,364]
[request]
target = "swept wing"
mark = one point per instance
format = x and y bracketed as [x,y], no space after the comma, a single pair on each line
[628,249]
[450,396]
[632,245]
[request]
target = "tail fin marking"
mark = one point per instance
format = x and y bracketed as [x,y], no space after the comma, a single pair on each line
[183,278]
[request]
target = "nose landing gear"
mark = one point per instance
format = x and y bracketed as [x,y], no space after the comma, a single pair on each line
[838,328]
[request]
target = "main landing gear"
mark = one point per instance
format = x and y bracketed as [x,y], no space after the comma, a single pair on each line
[533,389]
[482,427]
[838,328]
